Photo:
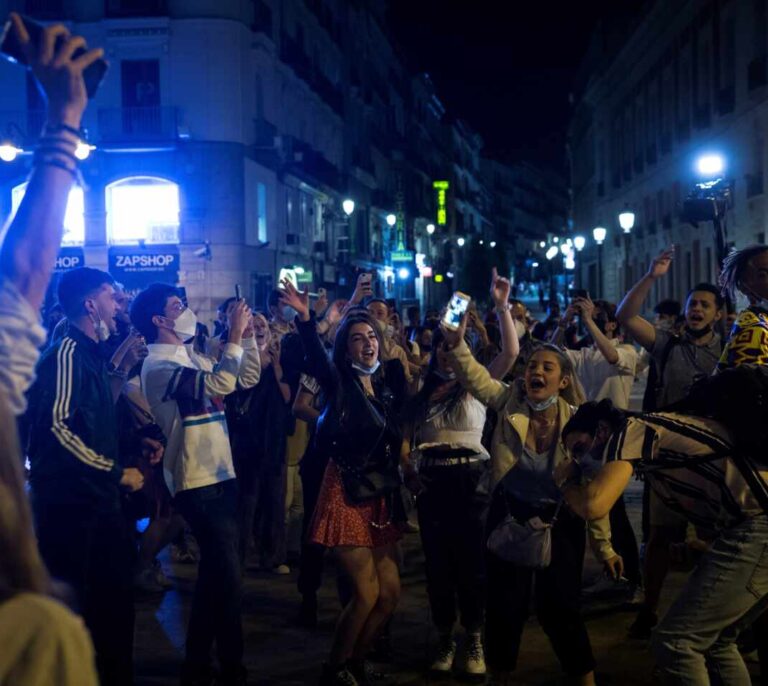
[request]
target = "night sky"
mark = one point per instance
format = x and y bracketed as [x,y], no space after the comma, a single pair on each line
[507,67]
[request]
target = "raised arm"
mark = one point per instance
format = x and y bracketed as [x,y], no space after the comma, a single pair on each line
[587,309]
[33,239]
[510,344]
[628,312]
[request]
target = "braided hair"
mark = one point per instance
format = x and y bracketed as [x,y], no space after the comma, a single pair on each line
[734,269]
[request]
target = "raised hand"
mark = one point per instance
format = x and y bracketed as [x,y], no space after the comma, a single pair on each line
[453,338]
[500,288]
[60,76]
[239,317]
[363,289]
[296,299]
[586,307]
[321,304]
[661,263]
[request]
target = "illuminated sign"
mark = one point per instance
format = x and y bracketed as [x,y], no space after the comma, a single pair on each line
[442,206]
[438,278]
[402,255]
[426,272]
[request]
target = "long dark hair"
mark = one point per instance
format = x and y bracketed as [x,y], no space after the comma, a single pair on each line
[416,408]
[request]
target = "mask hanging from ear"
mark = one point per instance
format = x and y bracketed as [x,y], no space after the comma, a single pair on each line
[544,404]
[99,325]
[367,371]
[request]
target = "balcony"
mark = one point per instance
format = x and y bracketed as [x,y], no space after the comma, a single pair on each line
[137,124]
[135,8]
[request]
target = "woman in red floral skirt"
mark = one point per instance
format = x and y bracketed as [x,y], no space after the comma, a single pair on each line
[359,512]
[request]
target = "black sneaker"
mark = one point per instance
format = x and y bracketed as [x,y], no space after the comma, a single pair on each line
[642,627]
[338,676]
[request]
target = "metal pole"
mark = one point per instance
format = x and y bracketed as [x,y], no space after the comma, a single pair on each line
[600,270]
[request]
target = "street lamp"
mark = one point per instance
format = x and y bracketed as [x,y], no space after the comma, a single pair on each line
[599,233]
[460,241]
[627,220]
[8,152]
[391,220]
[579,242]
[348,206]
[403,273]
[430,229]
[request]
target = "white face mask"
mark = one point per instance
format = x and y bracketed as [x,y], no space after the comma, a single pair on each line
[367,371]
[100,326]
[185,325]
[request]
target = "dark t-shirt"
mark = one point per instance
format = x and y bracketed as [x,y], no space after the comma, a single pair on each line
[686,363]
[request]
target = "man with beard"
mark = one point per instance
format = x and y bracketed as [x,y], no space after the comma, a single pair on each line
[680,361]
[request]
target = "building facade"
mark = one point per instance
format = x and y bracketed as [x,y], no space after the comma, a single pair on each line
[226,137]
[689,78]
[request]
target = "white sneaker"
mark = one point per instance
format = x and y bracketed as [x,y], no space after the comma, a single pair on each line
[281,570]
[474,658]
[446,652]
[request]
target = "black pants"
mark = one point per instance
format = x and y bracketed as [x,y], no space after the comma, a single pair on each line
[624,541]
[557,598]
[312,556]
[217,601]
[94,553]
[451,519]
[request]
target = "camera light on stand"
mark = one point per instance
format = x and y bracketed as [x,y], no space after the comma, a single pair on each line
[599,234]
[348,206]
[8,152]
[709,166]
[460,241]
[403,273]
[579,242]
[430,229]
[553,250]
[391,220]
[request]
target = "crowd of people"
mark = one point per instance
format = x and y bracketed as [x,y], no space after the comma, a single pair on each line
[302,427]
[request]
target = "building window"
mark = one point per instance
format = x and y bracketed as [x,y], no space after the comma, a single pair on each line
[142,209]
[74,218]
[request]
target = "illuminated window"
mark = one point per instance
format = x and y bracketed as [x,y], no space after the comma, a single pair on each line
[142,208]
[74,218]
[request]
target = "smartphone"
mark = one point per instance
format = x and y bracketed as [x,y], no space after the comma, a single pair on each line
[11,49]
[321,292]
[238,292]
[580,293]
[366,278]
[457,307]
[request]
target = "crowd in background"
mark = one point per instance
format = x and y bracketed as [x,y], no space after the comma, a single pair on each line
[307,426]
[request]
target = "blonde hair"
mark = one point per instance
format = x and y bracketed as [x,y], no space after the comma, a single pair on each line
[21,568]
[573,393]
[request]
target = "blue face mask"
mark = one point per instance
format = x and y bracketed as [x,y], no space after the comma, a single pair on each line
[544,404]
[367,371]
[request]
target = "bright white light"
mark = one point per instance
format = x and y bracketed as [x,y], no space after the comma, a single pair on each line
[569,243]
[627,220]
[430,229]
[570,263]
[391,220]
[389,273]
[493,244]
[579,242]
[460,241]
[552,252]
[599,234]
[403,273]
[555,239]
[298,269]
[83,150]
[542,244]
[9,152]
[74,216]
[449,274]
[710,165]
[142,209]
[564,249]
[482,242]
[348,206]
[535,264]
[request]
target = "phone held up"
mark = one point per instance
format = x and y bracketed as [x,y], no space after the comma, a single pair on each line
[580,293]
[457,307]
[11,49]
[238,292]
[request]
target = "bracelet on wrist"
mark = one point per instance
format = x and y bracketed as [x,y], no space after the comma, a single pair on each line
[61,127]
[501,309]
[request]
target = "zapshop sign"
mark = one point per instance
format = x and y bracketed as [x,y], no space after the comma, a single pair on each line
[138,267]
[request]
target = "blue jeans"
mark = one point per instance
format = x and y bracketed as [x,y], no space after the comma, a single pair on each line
[216,611]
[695,643]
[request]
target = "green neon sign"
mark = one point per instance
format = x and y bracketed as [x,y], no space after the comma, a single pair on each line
[442,206]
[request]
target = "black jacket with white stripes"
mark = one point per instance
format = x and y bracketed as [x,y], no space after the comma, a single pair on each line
[73,445]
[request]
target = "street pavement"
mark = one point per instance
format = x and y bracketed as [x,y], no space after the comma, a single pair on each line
[277,652]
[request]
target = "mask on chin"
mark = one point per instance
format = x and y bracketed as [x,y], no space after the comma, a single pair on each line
[700,333]
[367,371]
[544,404]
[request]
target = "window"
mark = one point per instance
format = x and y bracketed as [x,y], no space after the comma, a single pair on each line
[74,218]
[142,208]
